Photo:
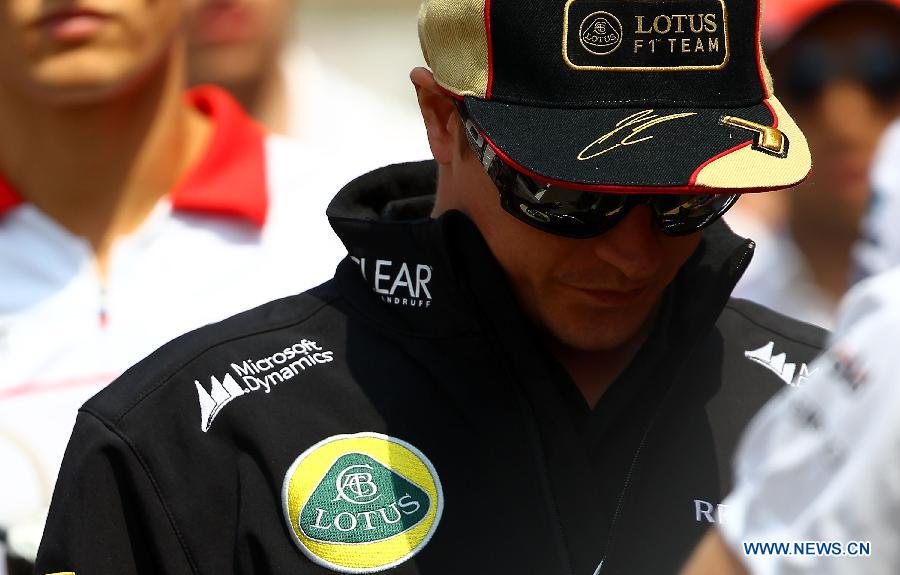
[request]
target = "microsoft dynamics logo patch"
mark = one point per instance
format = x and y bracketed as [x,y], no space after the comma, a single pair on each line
[778,364]
[260,374]
[221,393]
[361,503]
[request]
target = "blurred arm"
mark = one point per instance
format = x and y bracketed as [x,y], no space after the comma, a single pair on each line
[713,557]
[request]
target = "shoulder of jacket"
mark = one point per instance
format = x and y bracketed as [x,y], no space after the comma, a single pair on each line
[753,318]
[194,350]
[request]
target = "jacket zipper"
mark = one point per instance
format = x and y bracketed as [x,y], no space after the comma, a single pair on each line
[620,503]
[535,440]
[743,259]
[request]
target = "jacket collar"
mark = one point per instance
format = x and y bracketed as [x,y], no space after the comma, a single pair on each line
[403,270]
[228,180]
[435,277]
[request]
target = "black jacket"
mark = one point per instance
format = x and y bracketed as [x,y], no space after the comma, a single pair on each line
[406,414]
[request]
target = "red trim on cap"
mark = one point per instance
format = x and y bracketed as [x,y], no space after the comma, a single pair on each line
[490,49]
[451,95]
[601,188]
[772,110]
[759,56]
[696,174]
[8,196]
[230,178]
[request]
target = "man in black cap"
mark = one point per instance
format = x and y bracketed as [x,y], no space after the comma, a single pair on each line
[537,369]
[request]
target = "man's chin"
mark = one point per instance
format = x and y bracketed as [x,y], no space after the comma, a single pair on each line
[88,76]
[226,65]
[600,332]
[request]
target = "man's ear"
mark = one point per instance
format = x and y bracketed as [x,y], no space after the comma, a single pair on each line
[439,114]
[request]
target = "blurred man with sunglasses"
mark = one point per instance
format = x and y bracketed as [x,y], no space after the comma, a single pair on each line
[131,211]
[836,64]
[530,362]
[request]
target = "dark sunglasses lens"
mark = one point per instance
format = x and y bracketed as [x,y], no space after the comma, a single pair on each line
[873,60]
[879,63]
[563,211]
[578,214]
[808,72]
[685,214]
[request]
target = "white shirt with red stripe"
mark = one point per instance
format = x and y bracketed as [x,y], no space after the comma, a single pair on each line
[245,226]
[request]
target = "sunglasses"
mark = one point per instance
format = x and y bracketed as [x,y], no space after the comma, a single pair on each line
[579,214]
[873,61]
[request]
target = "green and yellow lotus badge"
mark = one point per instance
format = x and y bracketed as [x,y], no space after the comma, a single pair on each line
[362,503]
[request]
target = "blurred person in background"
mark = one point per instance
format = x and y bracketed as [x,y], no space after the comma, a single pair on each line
[249,48]
[238,45]
[878,248]
[130,212]
[837,65]
[820,463]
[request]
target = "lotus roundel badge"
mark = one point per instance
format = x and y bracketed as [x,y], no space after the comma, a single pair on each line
[361,503]
[601,33]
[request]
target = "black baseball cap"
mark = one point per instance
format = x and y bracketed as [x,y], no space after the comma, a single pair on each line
[625,96]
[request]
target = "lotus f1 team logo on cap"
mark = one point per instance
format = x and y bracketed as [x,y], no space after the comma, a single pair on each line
[361,503]
[648,36]
[601,33]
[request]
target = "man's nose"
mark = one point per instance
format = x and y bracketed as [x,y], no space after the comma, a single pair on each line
[632,246]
